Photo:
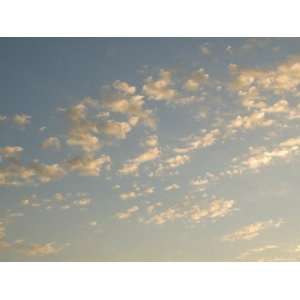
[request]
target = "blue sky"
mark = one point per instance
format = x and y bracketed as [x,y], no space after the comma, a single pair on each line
[149,149]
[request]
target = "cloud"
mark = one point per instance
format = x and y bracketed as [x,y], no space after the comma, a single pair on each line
[21,120]
[200,183]
[133,108]
[14,173]
[11,151]
[259,157]
[251,231]
[177,161]
[83,201]
[124,87]
[51,143]
[151,141]
[133,165]
[88,165]
[218,208]
[128,213]
[88,127]
[43,249]
[255,119]
[205,50]
[199,142]
[195,80]
[284,78]
[117,130]
[172,187]
[160,89]
[82,132]
[137,193]
[3,118]
[255,251]
[128,195]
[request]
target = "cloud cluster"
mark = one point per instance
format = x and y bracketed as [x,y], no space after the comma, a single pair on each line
[160,89]
[260,157]
[218,208]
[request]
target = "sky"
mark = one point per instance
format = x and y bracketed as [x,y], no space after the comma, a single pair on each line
[149,149]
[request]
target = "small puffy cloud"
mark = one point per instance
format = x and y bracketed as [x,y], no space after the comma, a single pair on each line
[205,50]
[46,173]
[43,249]
[82,132]
[11,151]
[260,157]
[199,142]
[83,201]
[251,231]
[160,89]
[3,118]
[137,193]
[200,183]
[84,140]
[133,108]
[281,106]
[133,165]
[128,195]
[124,87]
[177,161]
[21,120]
[51,143]
[88,165]
[196,79]
[172,187]
[93,223]
[255,119]
[128,213]
[115,129]
[151,141]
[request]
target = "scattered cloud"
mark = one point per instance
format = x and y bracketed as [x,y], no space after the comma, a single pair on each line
[252,231]
[128,213]
[160,89]
[51,143]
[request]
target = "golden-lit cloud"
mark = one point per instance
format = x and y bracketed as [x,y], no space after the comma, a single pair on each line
[218,208]
[160,89]
[128,213]
[251,231]
[51,142]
